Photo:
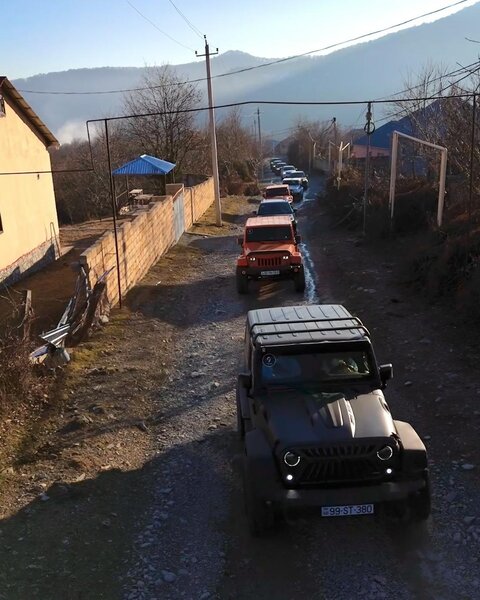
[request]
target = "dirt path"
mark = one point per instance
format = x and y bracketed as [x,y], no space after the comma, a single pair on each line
[149,504]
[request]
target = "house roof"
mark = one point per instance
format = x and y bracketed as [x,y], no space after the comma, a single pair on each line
[10,92]
[145,165]
[382,136]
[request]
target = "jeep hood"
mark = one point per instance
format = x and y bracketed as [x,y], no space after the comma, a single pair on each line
[301,418]
[255,247]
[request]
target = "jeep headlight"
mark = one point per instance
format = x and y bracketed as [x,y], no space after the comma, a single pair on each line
[385,453]
[291,459]
[252,258]
[285,257]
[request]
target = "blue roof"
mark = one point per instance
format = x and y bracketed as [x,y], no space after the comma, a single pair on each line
[436,109]
[383,135]
[145,165]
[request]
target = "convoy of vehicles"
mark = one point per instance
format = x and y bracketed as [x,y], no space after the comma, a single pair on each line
[318,433]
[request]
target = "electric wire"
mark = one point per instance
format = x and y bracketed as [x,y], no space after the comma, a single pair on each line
[438,78]
[157,27]
[189,23]
[253,67]
[229,105]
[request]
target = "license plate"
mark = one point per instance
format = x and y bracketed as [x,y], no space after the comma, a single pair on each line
[348,511]
[269,272]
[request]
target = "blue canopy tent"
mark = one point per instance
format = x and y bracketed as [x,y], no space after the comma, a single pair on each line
[144,165]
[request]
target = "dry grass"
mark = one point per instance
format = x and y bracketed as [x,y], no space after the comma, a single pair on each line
[440,263]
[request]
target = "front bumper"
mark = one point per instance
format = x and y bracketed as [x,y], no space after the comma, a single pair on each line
[270,272]
[304,499]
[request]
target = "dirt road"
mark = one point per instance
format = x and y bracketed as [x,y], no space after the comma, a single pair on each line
[165,519]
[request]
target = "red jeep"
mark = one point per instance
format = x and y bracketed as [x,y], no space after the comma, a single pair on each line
[269,251]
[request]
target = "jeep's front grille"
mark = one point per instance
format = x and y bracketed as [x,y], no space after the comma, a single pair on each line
[271,261]
[340,464]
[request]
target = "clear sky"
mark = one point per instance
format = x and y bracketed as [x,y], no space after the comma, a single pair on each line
[40,36]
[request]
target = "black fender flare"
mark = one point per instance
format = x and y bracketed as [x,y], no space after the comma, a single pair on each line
[414,453]
[261,470]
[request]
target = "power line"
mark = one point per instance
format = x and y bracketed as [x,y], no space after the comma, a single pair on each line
[441,91]
[440,77]
[156,27]
[252,68]
[189,23]
[277,103]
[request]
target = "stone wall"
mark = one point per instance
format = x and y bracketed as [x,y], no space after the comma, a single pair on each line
[144,237]
[29,263]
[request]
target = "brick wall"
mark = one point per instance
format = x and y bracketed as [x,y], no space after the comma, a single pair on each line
[145,237]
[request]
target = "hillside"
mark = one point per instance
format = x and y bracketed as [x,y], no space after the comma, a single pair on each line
[361,72]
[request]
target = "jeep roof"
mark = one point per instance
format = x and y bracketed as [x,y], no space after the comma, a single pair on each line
[304,324]
[282,187]
[270,221]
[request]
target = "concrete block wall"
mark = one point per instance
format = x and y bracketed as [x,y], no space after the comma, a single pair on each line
[197,199]
[144,238]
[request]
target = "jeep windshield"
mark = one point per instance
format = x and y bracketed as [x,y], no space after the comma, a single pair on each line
[274,208]
[278,191]
[300,174]
[314,369]
[294,182]
[281,233]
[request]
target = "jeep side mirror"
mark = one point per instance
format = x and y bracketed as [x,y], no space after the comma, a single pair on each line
[254,212]
[298,239]
[240,240]
[245,380]
[386,372]
[294,210]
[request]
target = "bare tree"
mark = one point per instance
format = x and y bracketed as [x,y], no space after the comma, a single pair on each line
[307,141]
[169,134]
[446,121]
[238,155]
[81,196]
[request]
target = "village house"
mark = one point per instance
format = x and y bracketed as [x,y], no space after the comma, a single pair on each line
[28,216]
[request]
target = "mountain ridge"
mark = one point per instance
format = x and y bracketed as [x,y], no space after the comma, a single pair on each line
[364,71]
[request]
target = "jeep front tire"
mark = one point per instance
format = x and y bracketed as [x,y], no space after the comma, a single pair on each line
[420,503]
[242,284]
[299,281]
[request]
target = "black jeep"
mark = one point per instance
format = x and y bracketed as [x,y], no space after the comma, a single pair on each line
[318,432]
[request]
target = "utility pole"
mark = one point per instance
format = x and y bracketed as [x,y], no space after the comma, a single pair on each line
[260,142]
[369,130]
[213,136]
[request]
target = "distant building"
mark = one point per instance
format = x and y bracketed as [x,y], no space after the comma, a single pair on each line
[28,215]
